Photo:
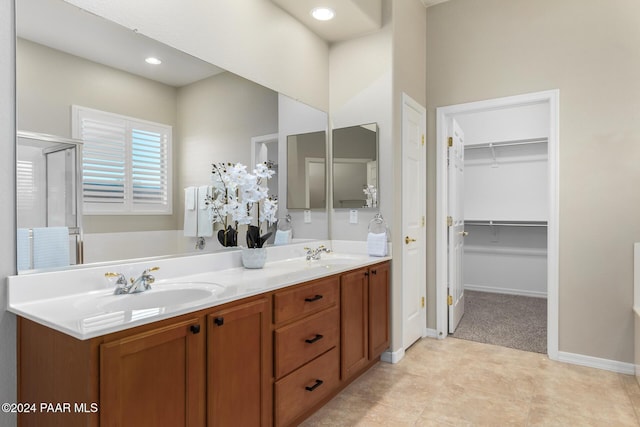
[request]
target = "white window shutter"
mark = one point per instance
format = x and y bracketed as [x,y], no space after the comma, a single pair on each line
[126,163]
[149,166]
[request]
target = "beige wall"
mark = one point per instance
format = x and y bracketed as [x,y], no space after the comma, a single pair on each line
[7,200]
[360,83]
[218,116]
[409,70]
[252,38]
[482,49]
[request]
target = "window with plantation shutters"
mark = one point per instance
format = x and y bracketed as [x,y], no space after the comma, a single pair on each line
[125,163]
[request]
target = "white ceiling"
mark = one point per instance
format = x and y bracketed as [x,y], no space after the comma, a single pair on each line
[62,26]
[353,17]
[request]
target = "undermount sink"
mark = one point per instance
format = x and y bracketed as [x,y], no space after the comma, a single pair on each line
[337,260]
[168,294]
[154,299]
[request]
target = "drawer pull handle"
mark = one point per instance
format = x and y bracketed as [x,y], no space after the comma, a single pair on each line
[312,299]
[318,337]
[315,386]
[194,329]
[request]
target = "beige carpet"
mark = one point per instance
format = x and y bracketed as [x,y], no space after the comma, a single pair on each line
[508,320]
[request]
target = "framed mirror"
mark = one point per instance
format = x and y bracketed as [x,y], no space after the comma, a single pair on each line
[66,56]
[306,170]
[354,163]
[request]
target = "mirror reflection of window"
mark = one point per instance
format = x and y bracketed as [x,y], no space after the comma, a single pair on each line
[355,167]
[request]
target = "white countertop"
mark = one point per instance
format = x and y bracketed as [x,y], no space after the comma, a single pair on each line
[76,302]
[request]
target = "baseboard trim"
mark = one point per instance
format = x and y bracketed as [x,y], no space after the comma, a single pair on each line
[596,362]
[429,333]
[507,291]
[392,356]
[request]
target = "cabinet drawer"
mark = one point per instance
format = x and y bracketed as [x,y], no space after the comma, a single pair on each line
[311,298]
[299,342]
[302,389]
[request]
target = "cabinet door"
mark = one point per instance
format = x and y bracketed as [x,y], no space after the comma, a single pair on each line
[239,366]
[354,329]
[378,309]
[154,378]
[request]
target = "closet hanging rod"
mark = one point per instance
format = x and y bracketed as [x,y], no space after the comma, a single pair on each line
[507,143]
[509,223]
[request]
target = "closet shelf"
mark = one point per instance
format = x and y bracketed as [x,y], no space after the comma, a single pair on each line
[507,143]
[505,223]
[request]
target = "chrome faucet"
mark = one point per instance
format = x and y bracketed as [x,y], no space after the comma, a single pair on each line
[314,254]
[141,284]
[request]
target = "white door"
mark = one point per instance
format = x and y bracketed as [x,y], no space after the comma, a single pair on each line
[456,225]
[413,221]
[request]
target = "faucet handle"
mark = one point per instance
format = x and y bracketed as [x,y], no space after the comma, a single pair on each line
[121,279]
[149,270]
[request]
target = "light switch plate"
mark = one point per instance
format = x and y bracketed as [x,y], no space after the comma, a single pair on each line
[353,216]
[307,217]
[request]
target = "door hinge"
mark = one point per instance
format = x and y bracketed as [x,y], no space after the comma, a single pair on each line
[450,141]
[450,300]
[422,302]
[422,139]
[449,221]
[423,220]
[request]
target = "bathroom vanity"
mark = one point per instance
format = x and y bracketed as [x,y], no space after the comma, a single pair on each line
[269,348]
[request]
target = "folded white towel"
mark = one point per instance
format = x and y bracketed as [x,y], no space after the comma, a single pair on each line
[283,237]
[23,249]
[50,247]
[190,195]
[377,244]
[190,213]
[205,227]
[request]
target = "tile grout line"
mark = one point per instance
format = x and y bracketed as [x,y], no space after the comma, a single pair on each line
[627,392]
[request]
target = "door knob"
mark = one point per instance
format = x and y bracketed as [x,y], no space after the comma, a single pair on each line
[408,240]
[464,233]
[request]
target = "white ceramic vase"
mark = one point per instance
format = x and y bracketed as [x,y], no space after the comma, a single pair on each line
[254,257]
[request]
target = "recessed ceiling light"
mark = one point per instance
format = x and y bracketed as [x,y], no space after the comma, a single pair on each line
[153,61]
[323,13]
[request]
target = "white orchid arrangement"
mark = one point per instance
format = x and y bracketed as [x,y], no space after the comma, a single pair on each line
[370,192]
[242,197]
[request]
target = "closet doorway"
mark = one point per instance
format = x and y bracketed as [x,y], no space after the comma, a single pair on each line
[509,227]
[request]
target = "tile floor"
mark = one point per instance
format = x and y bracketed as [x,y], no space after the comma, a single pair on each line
[454,382]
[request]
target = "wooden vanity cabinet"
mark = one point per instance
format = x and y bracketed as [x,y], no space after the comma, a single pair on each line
[271,359]
[365,317]
[239,365]
[306,348]
[379,315]
[154,378]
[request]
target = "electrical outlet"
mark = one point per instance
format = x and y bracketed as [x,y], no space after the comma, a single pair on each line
[307,217]
[353,216]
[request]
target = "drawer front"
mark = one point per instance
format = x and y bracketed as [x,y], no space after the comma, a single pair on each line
[302,389]
[302,341]
[307,299]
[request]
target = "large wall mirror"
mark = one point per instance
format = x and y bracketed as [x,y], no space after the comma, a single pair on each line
[306,165]
[66,56]
[355,167]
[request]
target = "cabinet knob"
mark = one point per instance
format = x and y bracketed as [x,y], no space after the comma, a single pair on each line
[219,321]
[312,299]
[374,272]
[315,386]
[194,329]
[318,337]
